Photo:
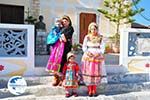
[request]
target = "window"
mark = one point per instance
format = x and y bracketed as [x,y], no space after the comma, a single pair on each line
[11,14]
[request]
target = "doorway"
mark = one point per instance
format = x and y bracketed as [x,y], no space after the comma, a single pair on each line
[85,20]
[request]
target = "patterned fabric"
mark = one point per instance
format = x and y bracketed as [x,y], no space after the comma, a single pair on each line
[70,72]
[92,65]
[91,69]
[53,36]
[55,58]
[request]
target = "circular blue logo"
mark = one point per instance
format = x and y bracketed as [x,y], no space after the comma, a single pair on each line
[17,85]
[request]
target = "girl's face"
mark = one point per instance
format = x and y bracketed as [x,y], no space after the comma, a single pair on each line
[65,23]
[72,59]
[93,30]
[58,24]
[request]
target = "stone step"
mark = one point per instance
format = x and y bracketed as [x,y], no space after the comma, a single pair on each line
[116,69]
[45,90]
[112,79]
[26,97]
[31,80]
[143,95]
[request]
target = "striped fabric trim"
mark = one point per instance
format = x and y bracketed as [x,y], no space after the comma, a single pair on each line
[93,60]
[75,86]
[52,64]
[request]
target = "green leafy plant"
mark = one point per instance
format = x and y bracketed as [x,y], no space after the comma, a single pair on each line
[115,38]
[30,19]
[119,12]
[108,49]
[76,46]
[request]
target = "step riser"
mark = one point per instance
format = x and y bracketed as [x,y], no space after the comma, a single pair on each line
[128,78]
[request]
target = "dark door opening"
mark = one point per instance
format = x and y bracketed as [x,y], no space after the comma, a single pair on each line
[11,14]
[85,20]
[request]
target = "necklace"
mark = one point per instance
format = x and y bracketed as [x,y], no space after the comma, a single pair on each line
[95,39]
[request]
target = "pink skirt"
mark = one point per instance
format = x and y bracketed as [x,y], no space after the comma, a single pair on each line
[92,69]
[54,62]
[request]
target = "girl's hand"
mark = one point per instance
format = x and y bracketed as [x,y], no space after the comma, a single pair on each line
[63,38]
[77,76]
[60,39]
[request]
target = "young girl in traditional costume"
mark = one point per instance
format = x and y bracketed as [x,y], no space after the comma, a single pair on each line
[70,75]
[92,59]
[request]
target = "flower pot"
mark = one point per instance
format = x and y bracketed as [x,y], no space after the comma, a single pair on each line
[116,48]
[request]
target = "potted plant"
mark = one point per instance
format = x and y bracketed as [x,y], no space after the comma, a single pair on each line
[108,49]
[119,12]
[115,43]
[76,47]
[30,19]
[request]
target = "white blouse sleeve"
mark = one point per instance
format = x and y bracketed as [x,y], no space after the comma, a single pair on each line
[102,47]
[84,46]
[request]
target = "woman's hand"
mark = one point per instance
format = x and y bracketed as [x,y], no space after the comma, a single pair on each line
[97,55]
[90,54]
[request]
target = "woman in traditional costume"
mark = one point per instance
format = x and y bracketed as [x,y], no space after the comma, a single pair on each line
[58,56]
[92,59]
[66,37]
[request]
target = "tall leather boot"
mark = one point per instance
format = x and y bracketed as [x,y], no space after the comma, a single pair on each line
[60,80]
[56,80]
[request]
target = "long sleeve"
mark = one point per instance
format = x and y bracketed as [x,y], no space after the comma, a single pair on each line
[84,46]
[68,33]
[102,47]
[77,68]
[64,69]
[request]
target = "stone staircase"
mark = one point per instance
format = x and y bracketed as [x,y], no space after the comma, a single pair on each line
[120,87]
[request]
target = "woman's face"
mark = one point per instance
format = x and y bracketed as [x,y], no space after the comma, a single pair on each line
[65,23]
[93,30]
